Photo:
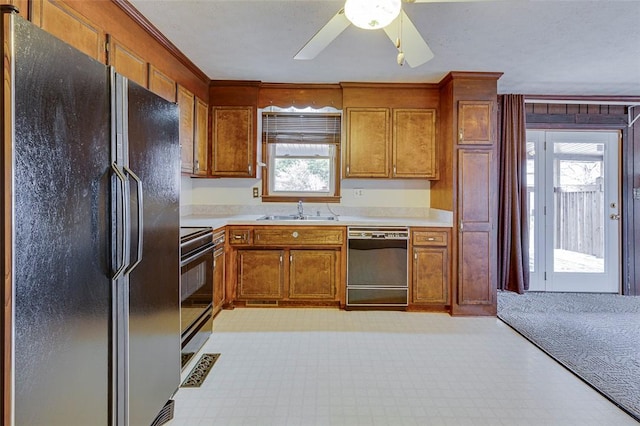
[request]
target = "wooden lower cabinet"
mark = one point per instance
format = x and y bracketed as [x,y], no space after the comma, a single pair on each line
[430,282]
[295,264]
[430,275]
[312,274]
[275,275]
[260,274]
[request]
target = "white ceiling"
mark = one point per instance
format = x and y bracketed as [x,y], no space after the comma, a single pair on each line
[577,47]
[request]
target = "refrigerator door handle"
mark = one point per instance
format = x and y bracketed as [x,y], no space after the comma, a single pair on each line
[123,221]
[140,218]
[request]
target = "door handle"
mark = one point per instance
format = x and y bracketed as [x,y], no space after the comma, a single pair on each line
[140,219]
[614,216]
[124,223]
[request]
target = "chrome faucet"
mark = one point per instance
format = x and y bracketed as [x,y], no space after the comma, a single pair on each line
[300,209]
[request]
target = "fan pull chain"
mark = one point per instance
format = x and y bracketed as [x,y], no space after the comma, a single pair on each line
[400,58]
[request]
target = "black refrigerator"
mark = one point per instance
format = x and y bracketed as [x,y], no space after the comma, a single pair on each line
[95,237]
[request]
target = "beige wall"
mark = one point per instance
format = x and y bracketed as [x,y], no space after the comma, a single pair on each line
[400,194]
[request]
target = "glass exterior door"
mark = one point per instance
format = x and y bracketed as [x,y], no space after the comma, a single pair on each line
[574,222]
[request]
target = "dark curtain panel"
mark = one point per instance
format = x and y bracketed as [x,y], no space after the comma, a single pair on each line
[513,225]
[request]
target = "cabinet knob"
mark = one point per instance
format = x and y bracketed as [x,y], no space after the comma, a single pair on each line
[295,234]
[431,239]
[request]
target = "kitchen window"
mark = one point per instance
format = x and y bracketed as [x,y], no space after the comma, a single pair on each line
[301,149]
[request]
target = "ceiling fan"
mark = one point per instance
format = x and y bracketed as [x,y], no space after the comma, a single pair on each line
[371,15]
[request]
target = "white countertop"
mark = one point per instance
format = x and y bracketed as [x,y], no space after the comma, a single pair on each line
[436,219]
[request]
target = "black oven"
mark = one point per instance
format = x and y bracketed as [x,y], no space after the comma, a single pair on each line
[196,289]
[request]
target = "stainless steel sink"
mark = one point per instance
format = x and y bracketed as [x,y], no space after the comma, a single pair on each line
[297,217]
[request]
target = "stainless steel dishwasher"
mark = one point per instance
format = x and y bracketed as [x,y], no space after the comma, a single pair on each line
[377,267]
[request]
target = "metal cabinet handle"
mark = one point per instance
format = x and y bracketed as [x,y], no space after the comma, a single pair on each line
[431,239]
[295,234]
[124,223]
[140,218]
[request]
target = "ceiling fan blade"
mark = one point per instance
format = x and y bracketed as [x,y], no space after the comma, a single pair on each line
[416,51]
[322,38]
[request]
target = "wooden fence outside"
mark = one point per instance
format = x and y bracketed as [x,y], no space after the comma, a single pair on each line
[580,219]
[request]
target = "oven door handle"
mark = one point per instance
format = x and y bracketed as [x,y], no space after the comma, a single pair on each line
[196,256]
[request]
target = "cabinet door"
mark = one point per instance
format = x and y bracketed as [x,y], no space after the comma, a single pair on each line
[218,278]
[474,123]
[312,274]
[161,85]
[186,104]
[476,242]
[70,27]
[367,147]
[414,143]
[233,142]
[260,274]
[430,275]
[201,167]
[127,62]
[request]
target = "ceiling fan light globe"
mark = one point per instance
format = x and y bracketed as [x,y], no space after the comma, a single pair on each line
[372,14]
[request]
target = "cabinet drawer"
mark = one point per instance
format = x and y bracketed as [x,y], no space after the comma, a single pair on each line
[292,236]
[430,238]
[239,236]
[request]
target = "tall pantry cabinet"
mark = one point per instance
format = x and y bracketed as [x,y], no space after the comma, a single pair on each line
[468,187]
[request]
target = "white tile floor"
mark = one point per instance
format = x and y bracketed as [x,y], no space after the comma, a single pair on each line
[330,367]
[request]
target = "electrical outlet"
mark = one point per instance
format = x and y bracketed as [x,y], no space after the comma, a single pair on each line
[256,194]
[358,192]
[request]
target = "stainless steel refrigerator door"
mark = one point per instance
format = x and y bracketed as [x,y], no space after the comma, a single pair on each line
[154,289]
[61,233]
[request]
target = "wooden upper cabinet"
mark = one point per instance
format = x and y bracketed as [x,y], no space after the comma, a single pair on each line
[161,85]
[69,26]
[475,123]
[367,147]
[127,62]
[414,143]
[233,141]
[372,150]
[186,103]
[200,145]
